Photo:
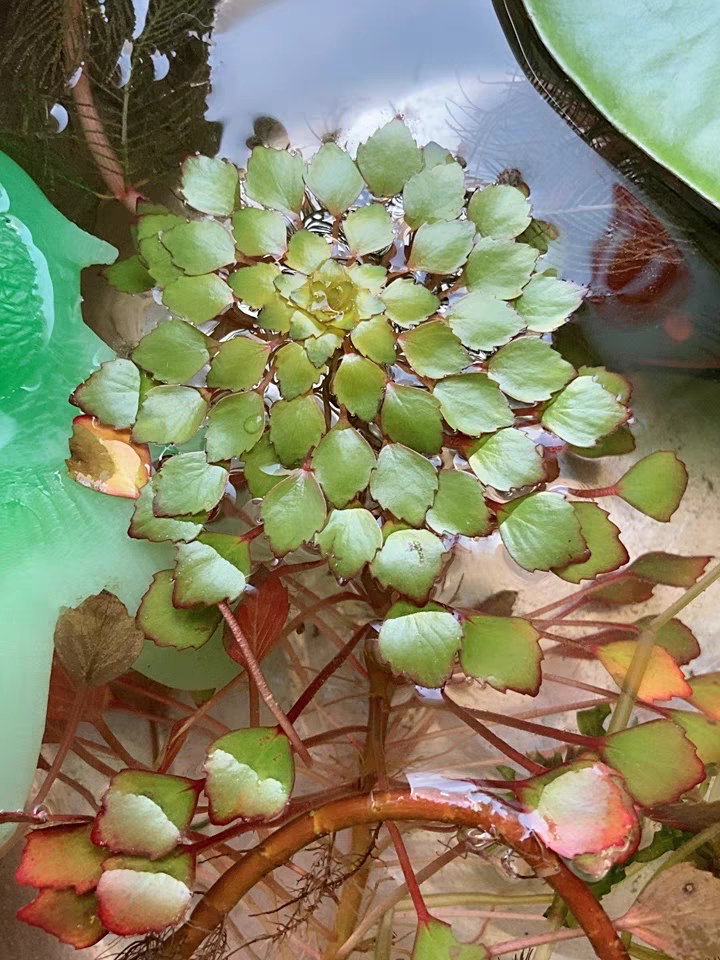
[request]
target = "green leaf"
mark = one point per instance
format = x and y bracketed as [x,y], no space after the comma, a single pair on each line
[275,179]
[420,642]
[71,918]
[368,229]
[170,414]
[239,364]
[375,339]
[473,404]
[433,350]
[655,485]
[60,857]
[197,299]
[349,540]
[407,302]
[235,425]
[436,941]
[675,637]
[307,251]
[146,526]
[482,322]
[591,723]
[159,262]
[539,234]
[255,285]
[411,415]
[656,759]
[210,185]
[434,154]
[293,512]
[669,569]
[259,233]
[173,352]
[499,211]
[199,246]
[168,626]
[502,651]
[343,462]
[619,386]
[508,459]
[389,158]
[333,178]
[187,483]
[436,193]
[615,444]
[250,773]
[541,531]
[703,733]
[546,302]
[231,548]
[359,385]
[459,506]
[583,412]
[111,393]
[369,276]
[410,562]
[320,349]
[706,694]
[295,373]
[603,540]
[404,483]
[500,268]
[663,679]
[129,275]
[296,426]
[202,576]
[262,467]
[441,247]
[529,369]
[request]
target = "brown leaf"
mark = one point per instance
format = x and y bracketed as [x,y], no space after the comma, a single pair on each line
[679,913]
[62,696]
[261,616]
[499,604]
[690,815]
[98,640]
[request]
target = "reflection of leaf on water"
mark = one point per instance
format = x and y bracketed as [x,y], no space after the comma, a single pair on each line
[150,123]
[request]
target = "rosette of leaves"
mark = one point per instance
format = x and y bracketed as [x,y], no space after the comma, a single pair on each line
[336,327]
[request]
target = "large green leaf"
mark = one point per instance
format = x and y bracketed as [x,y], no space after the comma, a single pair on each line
[389,158]
[170,414]
[436,941]
[293,511]
[359,385]
[483,322]
[436,193]
[255,285]
[499,211]
[197,299]
[441,247]
[459,506]
[541,531]
[260,233]
[295,372]
[334,179]
[473,404]
[368,229]
[411,415]
[508,459]
[239,364]
[349,540]
[167,625]
[210,185]
[651,70]
[603,540]
[262,467]
[187,484]
[583,412]
[235,425]
[343,462]
[407,302]
[655,485]
[111,393]
[529,369]
[146,526]
[433,350]
[420,642]
[296,427]
[502,651]
[410,562]
[203,576]
[200,246]
[404,483]
[275,179]
[307,251]
[547,302]
[375,339]
[129,275]
[500,268]
[173,352]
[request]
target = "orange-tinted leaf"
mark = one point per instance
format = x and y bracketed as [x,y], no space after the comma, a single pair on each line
[106,460]
[61,857]
[72,919]
[702,732]
[261,616]
[706,694]
[663,679]
[674,636]
[657,760]
[670,569]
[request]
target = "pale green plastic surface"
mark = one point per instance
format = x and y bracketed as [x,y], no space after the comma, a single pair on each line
[59,542]
[653,68]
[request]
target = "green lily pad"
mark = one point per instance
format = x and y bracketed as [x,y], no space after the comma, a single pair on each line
[349,540]
[307,251]
[473,404]
[655,485]
[334,179]
[168,626]
[529,369]
[541,531]
[187,483]
[389,158]
[404,483]
[408,303]
[607,552]
[199,246]
[235,425]
[434,154]
[420,642]
[111,393]
[170,414]
[263,469]
[436,193]
[482,322]
[275,179]
[411,415]
[359,385]
[260,233]
[547,302]
[210,185]
[255,285]
[202,576]
[173,352]
[159,262]
[146,526]
[441,247]
[293,512]
[500,268]
[410,562]
[129,275]
[368,229]
[459,506]
[583,412]
[295,373]
[343,462]
[502,651]
[433,350]
[296,426]
[375,339]
[240,363]
[499,211]
[197,299]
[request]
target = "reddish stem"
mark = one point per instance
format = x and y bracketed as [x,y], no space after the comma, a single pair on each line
[324,675]
[64,746]
[593,492]
[423,914]
[590,743]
